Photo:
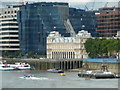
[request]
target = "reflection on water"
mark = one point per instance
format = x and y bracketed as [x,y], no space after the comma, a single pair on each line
[11,79]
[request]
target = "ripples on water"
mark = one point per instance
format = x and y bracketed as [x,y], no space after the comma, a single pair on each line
[11,79]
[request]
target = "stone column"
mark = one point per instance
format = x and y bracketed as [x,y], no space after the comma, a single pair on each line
[68,55]
[60,55]
[72,55]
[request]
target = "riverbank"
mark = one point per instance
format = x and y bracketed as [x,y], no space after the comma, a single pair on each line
[44,64]
[72,65]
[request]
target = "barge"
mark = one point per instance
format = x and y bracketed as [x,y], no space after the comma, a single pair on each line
[97,75]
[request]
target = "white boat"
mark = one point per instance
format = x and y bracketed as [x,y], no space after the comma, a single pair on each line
[5,67]
[33,78]
[21,66]
[55,70]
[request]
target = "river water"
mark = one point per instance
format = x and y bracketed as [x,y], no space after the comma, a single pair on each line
[11,79]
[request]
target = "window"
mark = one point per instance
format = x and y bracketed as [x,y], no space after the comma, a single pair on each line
[5,12]
[8,11]
[15,11]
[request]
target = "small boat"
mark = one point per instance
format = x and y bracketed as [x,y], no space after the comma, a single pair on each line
[117,75]
[5,67]
[96,75]
[55,70]
[27,76]
[21,66]
[62,74]
[33,78]
[87,79]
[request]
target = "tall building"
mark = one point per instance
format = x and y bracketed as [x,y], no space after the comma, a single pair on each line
[83,20]
[9,41]
[37,20]
[108,22]
[59,47]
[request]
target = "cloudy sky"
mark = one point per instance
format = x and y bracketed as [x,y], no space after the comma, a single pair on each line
[91,4]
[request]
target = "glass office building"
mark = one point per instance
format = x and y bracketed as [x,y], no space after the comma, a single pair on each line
[37,20]
[83,20]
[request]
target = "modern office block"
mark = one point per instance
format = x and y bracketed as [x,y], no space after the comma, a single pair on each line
[9,41]
[108,22]
[37,20]
[83,20]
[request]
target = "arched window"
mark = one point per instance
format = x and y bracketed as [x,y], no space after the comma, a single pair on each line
[5,12]
[8,12]
[15,11]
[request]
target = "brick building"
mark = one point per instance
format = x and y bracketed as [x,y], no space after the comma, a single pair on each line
[108,22]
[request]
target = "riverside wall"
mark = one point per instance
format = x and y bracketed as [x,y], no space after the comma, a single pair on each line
[112,67]
[66,64]
[44,64]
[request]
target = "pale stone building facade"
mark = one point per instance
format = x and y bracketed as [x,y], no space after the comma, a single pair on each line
[59,47]
[118,34]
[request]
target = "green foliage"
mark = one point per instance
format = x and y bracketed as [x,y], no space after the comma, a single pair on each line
[21,54]
[101,47]
[30,54]
[7,54]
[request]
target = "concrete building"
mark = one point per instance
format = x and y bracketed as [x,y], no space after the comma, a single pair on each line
[9,41]
[59,47]
[108,22]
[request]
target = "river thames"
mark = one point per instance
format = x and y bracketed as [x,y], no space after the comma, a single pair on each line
[11,79]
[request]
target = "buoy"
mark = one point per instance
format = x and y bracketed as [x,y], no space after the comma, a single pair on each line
[62,74]
[86,78]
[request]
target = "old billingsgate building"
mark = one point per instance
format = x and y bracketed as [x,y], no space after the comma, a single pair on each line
[59,47]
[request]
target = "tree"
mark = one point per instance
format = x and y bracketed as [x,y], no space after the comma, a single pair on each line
[30,54]
[21,54]
[102,47]
[5,54]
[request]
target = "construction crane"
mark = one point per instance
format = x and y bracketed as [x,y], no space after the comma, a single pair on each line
[86,8]
[93,5]
[106,4]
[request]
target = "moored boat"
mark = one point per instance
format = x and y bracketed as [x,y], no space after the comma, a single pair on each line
[96,75]
[21,66]
[55,70]
[5,67]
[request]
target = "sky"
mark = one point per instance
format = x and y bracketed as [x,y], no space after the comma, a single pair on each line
[82,1]
[91,4]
